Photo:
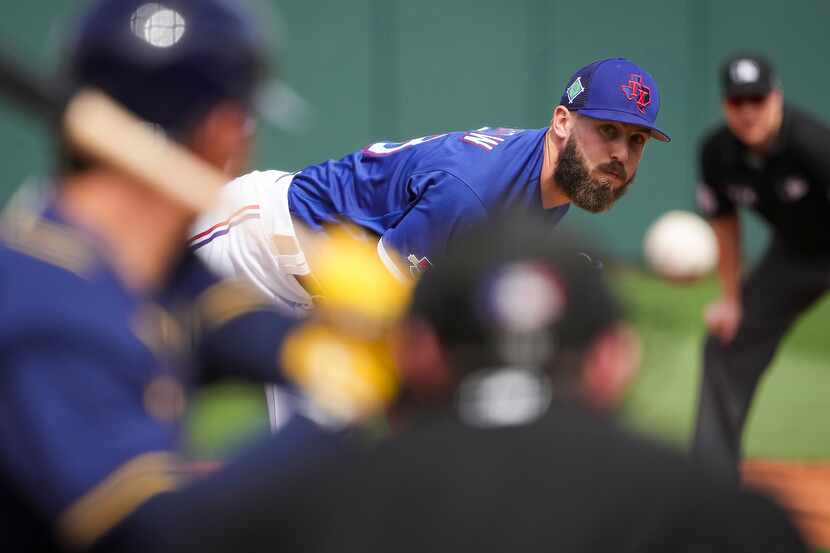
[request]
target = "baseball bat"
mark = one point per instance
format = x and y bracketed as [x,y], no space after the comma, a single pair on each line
[101,129]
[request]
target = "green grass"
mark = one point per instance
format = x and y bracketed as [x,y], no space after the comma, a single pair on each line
[790,413]
[788,419]
[224,418]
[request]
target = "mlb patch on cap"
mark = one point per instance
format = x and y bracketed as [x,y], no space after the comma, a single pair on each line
[615,89]
[746,75]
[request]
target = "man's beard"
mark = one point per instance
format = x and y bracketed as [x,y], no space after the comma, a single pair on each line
[591,194]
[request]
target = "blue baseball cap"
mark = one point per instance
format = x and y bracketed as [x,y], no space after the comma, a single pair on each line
[616,89]
[171,61]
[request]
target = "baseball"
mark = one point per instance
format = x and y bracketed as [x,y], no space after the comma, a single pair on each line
[680,246]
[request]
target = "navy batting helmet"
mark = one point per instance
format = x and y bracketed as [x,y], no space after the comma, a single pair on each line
[168,62]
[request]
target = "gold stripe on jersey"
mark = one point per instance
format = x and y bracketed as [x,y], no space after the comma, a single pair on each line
[47,241]
[226,301]
[116,497]
[159,330]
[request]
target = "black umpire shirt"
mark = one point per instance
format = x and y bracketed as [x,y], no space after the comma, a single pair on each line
[789,187]
[563,480]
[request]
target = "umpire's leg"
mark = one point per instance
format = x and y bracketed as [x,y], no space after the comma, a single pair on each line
[779,289]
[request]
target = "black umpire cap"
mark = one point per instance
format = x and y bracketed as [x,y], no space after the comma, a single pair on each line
[169,62]
[516,292]
[746,75]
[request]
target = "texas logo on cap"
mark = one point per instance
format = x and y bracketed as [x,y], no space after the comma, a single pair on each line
[615,89]
[637,92]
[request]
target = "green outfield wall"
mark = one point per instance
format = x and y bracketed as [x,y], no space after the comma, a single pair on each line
[365,70]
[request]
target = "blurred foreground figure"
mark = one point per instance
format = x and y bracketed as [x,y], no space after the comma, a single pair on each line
[511,358]
[105,319]
[772,158]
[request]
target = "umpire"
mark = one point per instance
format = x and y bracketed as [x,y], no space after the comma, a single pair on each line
[512,356]
[772,158]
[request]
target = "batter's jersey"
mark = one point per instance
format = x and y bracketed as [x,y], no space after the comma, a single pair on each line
[93,378]
[417,195]
[80,358]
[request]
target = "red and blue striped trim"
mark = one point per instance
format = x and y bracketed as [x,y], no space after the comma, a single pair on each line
[245,213]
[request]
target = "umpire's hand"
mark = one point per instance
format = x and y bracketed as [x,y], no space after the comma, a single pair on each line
[723,318]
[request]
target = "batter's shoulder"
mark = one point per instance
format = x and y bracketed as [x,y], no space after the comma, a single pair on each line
[51,275]
[32,244]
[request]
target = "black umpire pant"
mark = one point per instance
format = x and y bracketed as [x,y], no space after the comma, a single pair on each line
[782,286]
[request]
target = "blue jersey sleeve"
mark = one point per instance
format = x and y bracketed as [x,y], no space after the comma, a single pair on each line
[236,331]
[76,436]
[445,206]
[244,505]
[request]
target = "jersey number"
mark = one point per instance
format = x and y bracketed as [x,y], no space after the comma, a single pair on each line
[387,148]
